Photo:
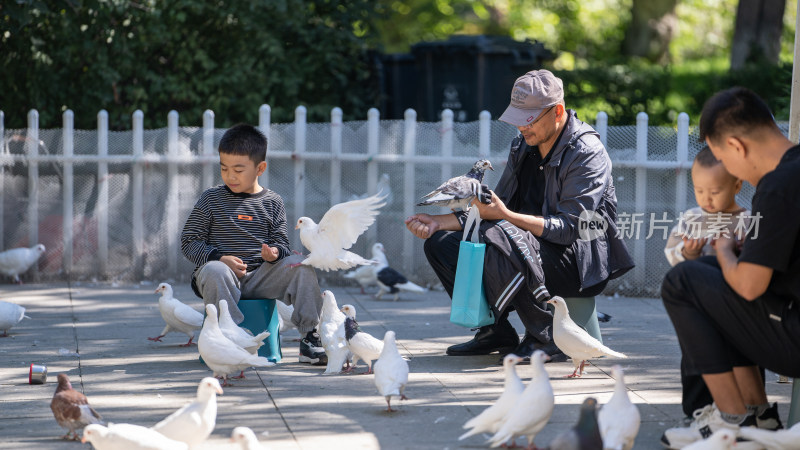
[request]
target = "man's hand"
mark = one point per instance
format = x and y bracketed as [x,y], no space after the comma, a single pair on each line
[724,244]
[692,248]
[238,267]
[495,210]
[268,253]
[422,225]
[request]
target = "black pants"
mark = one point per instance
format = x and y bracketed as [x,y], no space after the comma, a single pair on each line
[560,271]
[718,330]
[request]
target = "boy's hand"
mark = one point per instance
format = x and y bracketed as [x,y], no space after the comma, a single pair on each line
[268,253]
[692,248]
[238,267]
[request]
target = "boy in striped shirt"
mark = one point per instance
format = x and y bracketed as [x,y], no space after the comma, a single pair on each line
[236,235]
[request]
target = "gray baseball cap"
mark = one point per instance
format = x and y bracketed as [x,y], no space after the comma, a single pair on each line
[533,92]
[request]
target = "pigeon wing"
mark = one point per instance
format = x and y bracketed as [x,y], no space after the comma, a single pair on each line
[188,315]
[345,222]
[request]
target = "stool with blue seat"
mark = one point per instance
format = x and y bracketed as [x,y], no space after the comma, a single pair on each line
[794,407]
[262,314]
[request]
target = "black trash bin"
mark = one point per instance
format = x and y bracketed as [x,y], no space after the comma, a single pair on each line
[467,74]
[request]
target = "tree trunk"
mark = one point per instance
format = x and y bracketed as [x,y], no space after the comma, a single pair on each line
[650,32]
[757,34]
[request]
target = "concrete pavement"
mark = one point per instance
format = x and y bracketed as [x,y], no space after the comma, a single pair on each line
[96,333]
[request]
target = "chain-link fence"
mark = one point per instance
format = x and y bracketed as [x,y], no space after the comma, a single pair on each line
[111,205]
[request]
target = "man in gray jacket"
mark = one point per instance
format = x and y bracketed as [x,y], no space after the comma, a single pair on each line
[557,188]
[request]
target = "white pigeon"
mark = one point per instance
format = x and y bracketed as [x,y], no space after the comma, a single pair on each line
[619,419]
[778,439]
[362,345]
[722,439]
[532,409]
[125,436]
[15,261]
[194,422]
[367,275]
[285,313]
[221,354]
[574,341]
[458,192]
[178,316]
[390,280]
[382,188]
[238,334]
[246,439]
[391,371]
[340,227]
[10,315]
[490,419]
[331,334]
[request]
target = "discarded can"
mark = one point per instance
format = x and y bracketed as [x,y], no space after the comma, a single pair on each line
[37,374]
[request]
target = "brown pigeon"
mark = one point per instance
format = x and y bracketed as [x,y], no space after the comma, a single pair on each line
[71,408]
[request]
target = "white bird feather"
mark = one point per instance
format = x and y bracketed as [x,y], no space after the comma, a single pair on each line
[722,439]
[574,341]
[331,334]
[238,334]
[363,345]
[619,419]
[10,315]
[178,316]
[125,436]
[778,440]
[340,227]
[367,275]
[490,419]
[391,371]
[16,261]
[246,439]
[194,422]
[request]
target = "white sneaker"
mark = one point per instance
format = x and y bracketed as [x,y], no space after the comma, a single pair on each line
[706,421]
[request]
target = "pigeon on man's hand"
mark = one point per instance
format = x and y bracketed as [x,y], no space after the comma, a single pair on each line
[221,354]
[391,371]
[532,409]
[778,439]
[574,341]
[362,345]
[178,316]
[194,422]
[15,261]
[619,419]
[458,192]
[246,439]
[10,315]
[339,228]
[390,280]
[71,408]
[722,439]
[332,335]
[125,436]
[585,435]
[490,419]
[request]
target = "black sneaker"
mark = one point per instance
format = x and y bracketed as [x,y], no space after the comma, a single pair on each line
[311,350]
[769,419]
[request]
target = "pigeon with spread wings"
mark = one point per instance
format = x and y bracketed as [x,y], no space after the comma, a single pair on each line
[340,227]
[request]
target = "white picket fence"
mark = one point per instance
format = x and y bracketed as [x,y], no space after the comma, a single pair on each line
[656,158]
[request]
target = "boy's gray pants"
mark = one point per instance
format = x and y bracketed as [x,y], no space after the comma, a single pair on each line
[296,286]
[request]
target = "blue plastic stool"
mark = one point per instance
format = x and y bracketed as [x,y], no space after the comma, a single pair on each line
[261,314]
[794,408]
[583,311]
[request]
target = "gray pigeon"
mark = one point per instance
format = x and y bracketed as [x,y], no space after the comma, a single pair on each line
[17,260]
[585,435]
[458,192]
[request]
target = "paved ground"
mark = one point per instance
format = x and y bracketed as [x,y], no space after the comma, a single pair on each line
[97,334]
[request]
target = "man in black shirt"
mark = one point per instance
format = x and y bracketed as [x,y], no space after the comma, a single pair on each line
[740,310]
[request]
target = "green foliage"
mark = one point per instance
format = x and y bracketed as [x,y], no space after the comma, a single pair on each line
[229,56]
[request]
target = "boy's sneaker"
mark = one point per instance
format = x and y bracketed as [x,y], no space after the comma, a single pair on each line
[706,421]
[769,419]
[311,350]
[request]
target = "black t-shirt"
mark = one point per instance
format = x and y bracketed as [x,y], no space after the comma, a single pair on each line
[529,197]
[774,240]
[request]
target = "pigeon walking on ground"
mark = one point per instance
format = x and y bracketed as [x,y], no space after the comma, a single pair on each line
[390,280]
[532,409]
[221,354]
[71,408]
[788,439]
[15,261]
[246,439]
[340,227]
[178,316]
[391,371]
[362,345]
[722,439]
[585,435]
[574,341]
[238,334]
[125,436]
[490,419]
[332,335]
[619,419]
[10,315]
[367,275]
[194,422]
[458,192]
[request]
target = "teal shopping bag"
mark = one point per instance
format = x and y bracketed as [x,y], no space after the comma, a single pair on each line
[469,307]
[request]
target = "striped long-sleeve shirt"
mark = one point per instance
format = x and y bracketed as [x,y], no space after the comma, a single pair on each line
[227,223]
